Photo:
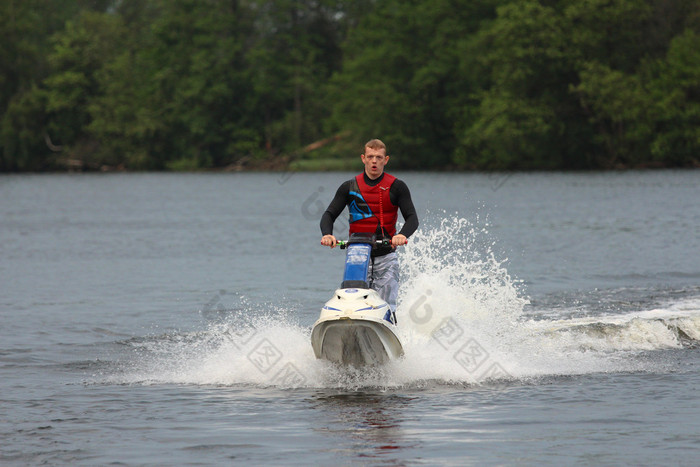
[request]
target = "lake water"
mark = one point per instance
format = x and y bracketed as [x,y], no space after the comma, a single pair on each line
[155,319]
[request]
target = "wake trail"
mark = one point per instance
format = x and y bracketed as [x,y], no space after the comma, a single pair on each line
[460,318]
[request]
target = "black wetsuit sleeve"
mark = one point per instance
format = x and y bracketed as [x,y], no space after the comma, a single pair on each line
[401,196]
[340,200]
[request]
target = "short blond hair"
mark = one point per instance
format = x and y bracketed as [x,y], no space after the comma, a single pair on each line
[374,144]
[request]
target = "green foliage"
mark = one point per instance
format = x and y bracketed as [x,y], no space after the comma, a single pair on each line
[676,88]
[86,45]
[199,90]
[296,50]
[509,134]
[24,27]
[21,133]
[400,77]
[516,124]
[619,107]
[472,84]
[566,88]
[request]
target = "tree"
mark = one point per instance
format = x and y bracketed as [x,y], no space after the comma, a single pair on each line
[676,90]
[296,50]
[521,113]
[80,52]
[479,84]
[620,110]
[400,77]
[26,27]
[637,92]
[541,58]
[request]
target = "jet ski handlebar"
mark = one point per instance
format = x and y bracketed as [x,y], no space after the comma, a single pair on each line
[343,244]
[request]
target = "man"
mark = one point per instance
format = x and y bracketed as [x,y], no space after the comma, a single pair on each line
[373,199]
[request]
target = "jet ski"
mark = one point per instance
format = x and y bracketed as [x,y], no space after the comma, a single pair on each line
[356,326]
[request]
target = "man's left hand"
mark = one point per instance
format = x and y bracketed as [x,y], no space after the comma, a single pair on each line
[398,240]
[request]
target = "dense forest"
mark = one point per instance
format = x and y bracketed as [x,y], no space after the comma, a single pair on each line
[447,84]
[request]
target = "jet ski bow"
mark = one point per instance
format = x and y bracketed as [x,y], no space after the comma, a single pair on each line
[356,326]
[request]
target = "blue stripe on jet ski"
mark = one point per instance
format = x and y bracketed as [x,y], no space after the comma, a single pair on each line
[330,308]
[368,308]
[390,317]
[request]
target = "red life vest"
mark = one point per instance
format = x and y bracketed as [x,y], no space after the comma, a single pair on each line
[375,208]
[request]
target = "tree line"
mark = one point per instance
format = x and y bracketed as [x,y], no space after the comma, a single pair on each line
[447,84]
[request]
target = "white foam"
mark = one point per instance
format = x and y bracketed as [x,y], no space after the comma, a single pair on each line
[460,318]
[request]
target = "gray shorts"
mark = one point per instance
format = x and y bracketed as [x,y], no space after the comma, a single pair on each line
[384,277]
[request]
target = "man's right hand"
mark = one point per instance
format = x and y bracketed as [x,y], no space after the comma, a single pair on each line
[329,240]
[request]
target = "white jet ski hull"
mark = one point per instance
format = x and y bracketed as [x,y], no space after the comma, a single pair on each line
[355,329]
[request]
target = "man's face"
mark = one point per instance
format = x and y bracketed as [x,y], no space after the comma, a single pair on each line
[374,160]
